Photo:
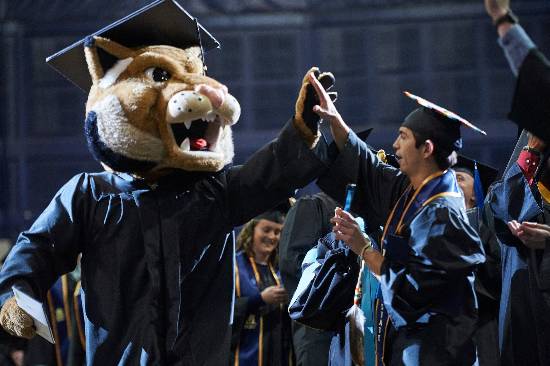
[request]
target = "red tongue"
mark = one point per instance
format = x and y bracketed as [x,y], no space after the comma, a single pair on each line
[198,144]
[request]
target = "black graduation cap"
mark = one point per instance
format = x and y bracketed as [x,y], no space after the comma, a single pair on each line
[531,104]
[484,175]
[277,214]
[163,22]
[438,123]
[364,135]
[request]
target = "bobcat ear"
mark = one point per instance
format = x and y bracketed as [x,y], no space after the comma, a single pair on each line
[93,45]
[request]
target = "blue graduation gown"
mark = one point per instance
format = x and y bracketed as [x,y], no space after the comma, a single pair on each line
[261,332]
[524,324]
[157,261]
[428,271]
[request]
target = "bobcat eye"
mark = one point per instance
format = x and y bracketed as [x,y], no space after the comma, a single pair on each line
[157,74]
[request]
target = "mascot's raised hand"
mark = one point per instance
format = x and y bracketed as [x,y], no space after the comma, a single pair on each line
[16,321]
[306,121]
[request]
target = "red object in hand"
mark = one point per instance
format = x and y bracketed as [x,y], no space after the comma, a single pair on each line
[528,162]
[198,144]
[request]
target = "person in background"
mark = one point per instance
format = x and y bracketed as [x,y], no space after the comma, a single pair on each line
[474,179]
[520,203]
[261,326]
[306,222]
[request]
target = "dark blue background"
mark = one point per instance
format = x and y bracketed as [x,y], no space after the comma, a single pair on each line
[445,51]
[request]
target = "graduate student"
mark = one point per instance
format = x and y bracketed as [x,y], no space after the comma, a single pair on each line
[261,327]
[474,179]
[520,203]
[429,252]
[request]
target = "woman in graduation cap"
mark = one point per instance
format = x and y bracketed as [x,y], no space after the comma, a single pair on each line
[261,328]
[429,252]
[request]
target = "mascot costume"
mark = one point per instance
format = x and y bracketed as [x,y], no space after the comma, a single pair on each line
[155,228]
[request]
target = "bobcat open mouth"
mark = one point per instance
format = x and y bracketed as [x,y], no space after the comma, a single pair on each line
[197,135]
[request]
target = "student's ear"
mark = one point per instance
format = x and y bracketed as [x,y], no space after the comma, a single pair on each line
[428,148]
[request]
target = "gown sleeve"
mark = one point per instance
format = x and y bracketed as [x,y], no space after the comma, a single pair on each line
[51,246]
[488,276]
[272,174]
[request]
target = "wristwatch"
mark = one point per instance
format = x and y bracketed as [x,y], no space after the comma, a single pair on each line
[509,17]
[367,248]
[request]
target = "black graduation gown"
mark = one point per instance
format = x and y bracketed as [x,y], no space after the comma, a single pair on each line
[487,286]
[524,324]
[428,287]
[306,222]
[157,262]
[530,107]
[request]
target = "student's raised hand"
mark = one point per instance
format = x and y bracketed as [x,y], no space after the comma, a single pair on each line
[328,112]
[496,8]
[533,235]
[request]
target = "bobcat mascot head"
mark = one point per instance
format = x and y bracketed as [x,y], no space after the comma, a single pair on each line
[154,109]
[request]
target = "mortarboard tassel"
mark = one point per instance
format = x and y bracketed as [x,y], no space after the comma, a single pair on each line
[478,188]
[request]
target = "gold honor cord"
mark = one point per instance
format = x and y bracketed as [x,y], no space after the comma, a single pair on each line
[53,318]
[258,282]
[68,320]
[79,325]
[416,192]
[238,293]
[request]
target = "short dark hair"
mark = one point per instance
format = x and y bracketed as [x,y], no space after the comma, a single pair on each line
[444,159]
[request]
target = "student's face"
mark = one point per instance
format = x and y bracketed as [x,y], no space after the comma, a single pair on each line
[466,183]
[408,155]
[266,236]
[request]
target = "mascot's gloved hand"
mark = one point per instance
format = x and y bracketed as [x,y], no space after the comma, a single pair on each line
[16,321]
[305,120]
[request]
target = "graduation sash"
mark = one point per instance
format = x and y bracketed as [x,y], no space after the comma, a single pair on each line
[395,247]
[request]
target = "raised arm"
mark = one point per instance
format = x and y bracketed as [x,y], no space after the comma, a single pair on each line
[379,185]
[512,37]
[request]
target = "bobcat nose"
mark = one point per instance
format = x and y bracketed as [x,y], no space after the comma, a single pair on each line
[216,95]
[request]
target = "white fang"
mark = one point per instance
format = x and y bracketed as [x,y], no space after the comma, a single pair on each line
[185,145]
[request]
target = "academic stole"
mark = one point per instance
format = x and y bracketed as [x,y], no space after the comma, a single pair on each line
[405,209]
[252,317]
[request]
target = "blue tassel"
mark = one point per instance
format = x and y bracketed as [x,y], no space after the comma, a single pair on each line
[350,192]
[478,188]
